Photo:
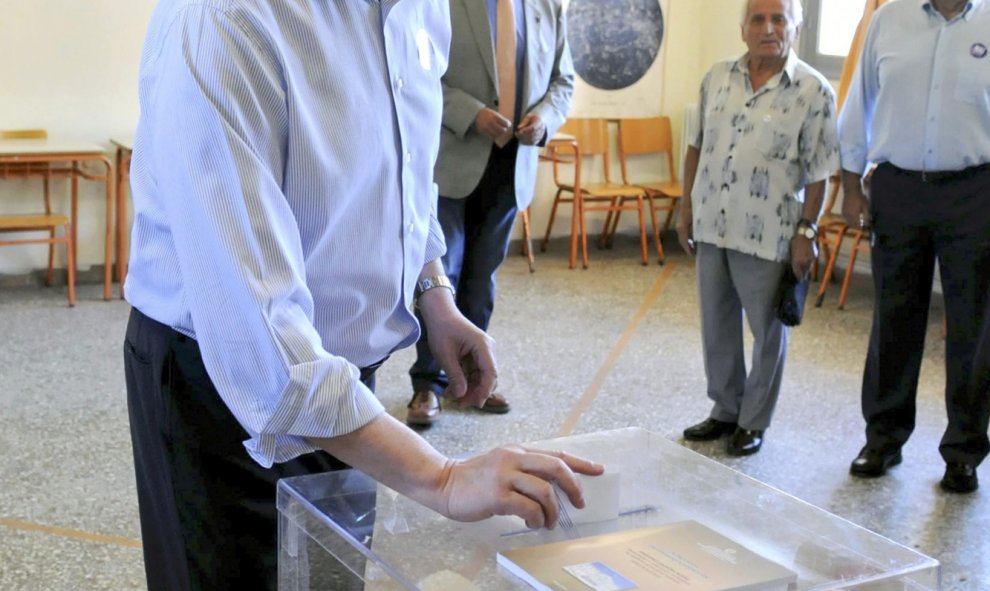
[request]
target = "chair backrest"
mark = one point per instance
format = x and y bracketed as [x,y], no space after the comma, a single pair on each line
[650,135]
[591,136]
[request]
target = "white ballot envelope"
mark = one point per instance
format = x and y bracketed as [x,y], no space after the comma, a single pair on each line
[601,500]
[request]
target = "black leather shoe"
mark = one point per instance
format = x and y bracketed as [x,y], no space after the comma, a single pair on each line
[959,478]
[871,463]
[744,442]
[708,430]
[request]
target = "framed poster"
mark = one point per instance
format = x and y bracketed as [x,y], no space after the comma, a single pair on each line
[618,52]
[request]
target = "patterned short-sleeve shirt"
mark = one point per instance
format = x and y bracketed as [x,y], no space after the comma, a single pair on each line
[758,150]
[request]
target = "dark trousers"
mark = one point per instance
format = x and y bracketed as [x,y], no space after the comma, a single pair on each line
[477,231]
[915,223]
[208,515]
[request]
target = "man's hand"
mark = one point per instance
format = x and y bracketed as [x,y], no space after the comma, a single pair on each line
[685,228]
[855,204]
[492,124]
[510,480]
[464,351]
[513,480]
[531,130]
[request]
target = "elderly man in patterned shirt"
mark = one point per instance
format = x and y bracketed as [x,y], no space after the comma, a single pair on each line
[756,175]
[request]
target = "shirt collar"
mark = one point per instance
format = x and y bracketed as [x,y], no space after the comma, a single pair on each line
[790,65]
[968,10]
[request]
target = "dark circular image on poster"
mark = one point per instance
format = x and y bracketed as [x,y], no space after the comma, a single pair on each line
[614,42]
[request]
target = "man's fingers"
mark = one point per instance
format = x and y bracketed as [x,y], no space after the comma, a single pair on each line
[540,493]
[456,383]
[559,467]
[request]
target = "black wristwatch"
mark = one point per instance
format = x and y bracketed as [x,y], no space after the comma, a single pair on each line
[807,229]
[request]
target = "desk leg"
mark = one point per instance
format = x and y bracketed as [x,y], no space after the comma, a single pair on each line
[122,167]
[74,213]
[108,236]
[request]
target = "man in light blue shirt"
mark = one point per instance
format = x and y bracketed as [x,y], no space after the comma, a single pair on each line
[919,109]
[284,220]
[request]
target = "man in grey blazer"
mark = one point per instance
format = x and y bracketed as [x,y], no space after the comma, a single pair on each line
[482,183]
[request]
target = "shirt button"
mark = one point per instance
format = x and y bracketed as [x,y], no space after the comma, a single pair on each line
[412,227]
[408,157]
[399,83]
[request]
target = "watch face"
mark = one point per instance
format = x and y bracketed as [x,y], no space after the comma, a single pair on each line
[809,233]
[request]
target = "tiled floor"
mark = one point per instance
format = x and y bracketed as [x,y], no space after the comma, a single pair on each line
[615,345]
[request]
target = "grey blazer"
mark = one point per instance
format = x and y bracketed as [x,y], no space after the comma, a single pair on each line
[469,85]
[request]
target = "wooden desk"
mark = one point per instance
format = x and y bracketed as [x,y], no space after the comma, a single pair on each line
[66,158]
[125,146]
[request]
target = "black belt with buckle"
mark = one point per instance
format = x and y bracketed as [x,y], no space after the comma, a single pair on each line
[940,176]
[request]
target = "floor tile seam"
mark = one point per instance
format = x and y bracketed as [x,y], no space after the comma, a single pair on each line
[74,534]
[591,392]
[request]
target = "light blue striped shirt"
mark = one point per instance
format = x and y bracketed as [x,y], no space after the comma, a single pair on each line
[284,204]
[920,98]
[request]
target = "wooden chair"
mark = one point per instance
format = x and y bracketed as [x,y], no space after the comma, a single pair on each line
[832,232]
[590,145]
[46,221]
[651,137]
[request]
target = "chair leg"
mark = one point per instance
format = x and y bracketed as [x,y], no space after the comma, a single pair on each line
[50,277]
[70,255]
[656,229]
[611,222]
[643,242]
[553,214]
[847,279]
[829,268]
[575,231]
[583,223]
[670,213]
[527,246]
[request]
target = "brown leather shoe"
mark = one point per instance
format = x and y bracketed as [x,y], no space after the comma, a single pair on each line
[496,404]
[424,409]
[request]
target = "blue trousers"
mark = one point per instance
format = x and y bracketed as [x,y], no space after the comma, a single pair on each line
[477,229]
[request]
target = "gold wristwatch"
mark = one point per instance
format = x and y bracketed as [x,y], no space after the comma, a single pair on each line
[427,283]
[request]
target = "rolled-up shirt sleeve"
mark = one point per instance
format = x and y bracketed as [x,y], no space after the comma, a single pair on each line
[236,240]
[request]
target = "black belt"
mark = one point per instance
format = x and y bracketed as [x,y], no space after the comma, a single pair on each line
[940,176]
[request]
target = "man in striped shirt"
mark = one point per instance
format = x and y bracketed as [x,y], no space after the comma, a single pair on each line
[284,217]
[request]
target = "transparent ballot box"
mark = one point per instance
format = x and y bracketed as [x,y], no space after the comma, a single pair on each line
[344,531]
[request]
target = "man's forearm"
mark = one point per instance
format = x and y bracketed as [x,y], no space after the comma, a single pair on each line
[394,455]
[691,158]
[814,196]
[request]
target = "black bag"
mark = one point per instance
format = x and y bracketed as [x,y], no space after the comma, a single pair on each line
[791,293]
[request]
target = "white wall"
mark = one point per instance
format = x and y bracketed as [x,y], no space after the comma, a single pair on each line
[71,67]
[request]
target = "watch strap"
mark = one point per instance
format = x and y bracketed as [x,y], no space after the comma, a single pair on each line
[427,283]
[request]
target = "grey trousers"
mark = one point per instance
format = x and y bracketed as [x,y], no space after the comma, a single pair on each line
[731,286]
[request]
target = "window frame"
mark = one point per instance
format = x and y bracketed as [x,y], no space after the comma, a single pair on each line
[829,65]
